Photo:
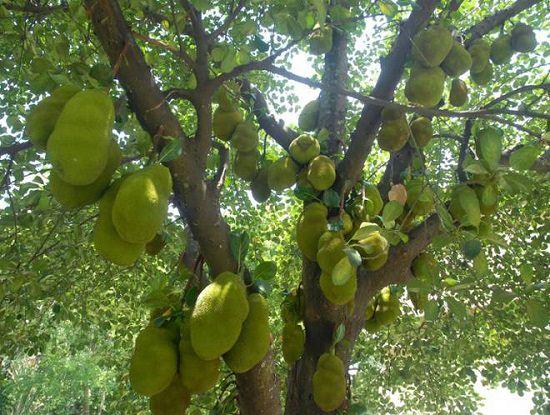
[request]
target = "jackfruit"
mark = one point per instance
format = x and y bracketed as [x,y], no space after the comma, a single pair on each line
[425,86]
[431,46]
[253,342]
[458,96]
[501,50]
[154,362]
[260,187]
[281,174]
[330,251]
[419,197]
[347,226]
[245,137]
[457,62]
[321,173]
[307,120]
[374,251]
[294,339]
[72,197]
[304,148]
[224,123]
[388,307]
[245,165]
[42,117]
[173,400]
[141,203]
[425,267]
[480,51]
[338,294]
[421,131]
[483,77]
[374,202]
[302,181]
[523,38]
[392,112]
[320,41]
[216,321]
[102,73]
[329,383]
[310,227]
[154,246]
[393,134]
[78,147]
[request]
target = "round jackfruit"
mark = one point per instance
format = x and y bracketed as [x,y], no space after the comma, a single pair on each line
[330,251]
[393,135]
[310,227]
[483,77]
[321,173]
[431,46]
[374,251]
[374,202]
[392,112]
[281,174]
[154,246]
[173,400]
[329,383]
[501,50]
[419,197]
[304,148]
[307,120]
[457,62]
[78,147]
[245,165]
[425,86]
[320,41]
[42,117]
[260,187]
[480,51]
[72,197]
[245,137]
[253,342]
[338,294]
[224,123]
[458,96]
[523,38]
[217,318]
[421,131]
[154,362]
[294,339]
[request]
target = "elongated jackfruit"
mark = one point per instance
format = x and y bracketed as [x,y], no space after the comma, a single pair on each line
[431,46]
[173,400]
[321,173]
[480,51]
[523,38]
[245,137]
[224,123]
[458,95]
[484,76]
[310,227]
[245,164]
[294,339]
[421,131]
[425,86]
[260,186]
[330,251]
[393,134]
[329,382]
[501,50]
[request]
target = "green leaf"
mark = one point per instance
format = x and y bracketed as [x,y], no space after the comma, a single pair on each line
[264,287]
[457,308]
[353,256]
[342,271]
[191,296]
[476,167]
[526,273]
[305,194]
[444,216]
[516,182]
[265,271]
[321,10]
[392,210]
[450,282]
[481,266]
[201,5]
[239,242]
[331,198]
[490,146]
[470,203]
[170,151]
[339,334]
[431,310]
[524,157]
[218,53]
[537,313]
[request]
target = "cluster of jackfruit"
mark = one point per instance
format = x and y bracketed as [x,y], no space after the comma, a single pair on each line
[396,131]
[383,309]
[329,382]
[294,335]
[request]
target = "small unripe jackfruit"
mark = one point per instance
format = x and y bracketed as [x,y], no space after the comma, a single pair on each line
[245,137]
[329,383]
[523,38]
[501,50]
[457,62]
[281,174]
[480,52]
[431,46]
[294,338]
[260,187]
[304,148]
[425,86]
[173,400]
[307,120]
[421,131]
[321,173]
[320,41]
[458,96]
[393,134]
[483,77]
[338,294]
[245,164]
[330,251]
[310,227]
[374,251]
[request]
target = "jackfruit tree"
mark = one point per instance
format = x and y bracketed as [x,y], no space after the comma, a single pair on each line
[381,250]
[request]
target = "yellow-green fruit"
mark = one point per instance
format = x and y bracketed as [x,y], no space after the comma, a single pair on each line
[425,267]
[425,86]
[483,77]
[42,117]
[224,100]
[374,251]
[302,181]
[224,123]
[388,308]
[464,194]
[281,174]
[154,362]
[458,96]
[304,148]
[348,223]
[307,120]
[488,198]
[374,202]
[245,165]
[457,62]
[419,197]
[393,135]
[321,173]
[260,187]
[329,383]
[294,338]
[106,239]
[173,400]
[523,38]
[310,227]
[330,251]
[320,41]
[421,131]
[197,375]
[78,147]
[431,46]
[338,294]
[154,246]
[72,197]
[141,204]
[480,51]
[217,318]
[372,325]
[253,342]
[501,50]
[245,137]
[392,112]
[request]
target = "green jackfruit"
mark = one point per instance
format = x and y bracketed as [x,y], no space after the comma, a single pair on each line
[480,51]
[224,123]
[330,251]
[421,131]
[501,50]
[302,181]
[483,77]
[338,294]
[425,86]
[431,46]
[458,96]
[217,318]
[281,174]
[155,245]
[388,308]
[320,41]
[457,62]
[102,73]
[310,227]
[304,148]
[392,112]
[523,38]
[154,362]
[419,197]
[42,117]
[245,137]
[173,400]
[245,165]
[374,251]
[374,202]
[294,339]
[329,383]
[393,135]
[78,147]
[224,99]
[347,226]
[307,120]
[321,173]
[72,197]
[260,187]
[254,340]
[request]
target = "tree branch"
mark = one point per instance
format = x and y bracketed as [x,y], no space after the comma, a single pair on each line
[227,22]
[15,148]
[35,9]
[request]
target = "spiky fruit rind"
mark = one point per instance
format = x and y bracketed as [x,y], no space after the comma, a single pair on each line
[374,251]
[320,41]
[173,400]
[393,135]
[245,164]
[282,173]
[425,86]
[421,131]
[330,251]
[307,120]
[224,123]
[458,95]
[480,51]
[321,173]
[483,77]
[501,50]
[523,38]
[329,383]
[260,186]
[245,137]
[294,339]
[457,62]
[338,294]
[304,148]
[431,46]
[310,227]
